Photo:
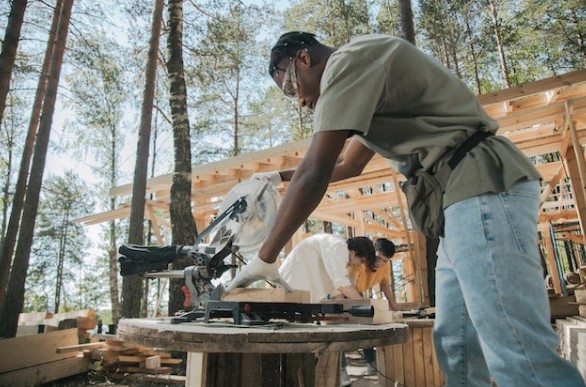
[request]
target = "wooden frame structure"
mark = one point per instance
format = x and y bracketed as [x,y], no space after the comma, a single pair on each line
[546,119]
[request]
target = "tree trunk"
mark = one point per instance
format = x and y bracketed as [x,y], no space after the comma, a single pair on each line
[474,56]
[407,25]
[182,223]
[112,250]
[132,285]
[9,241]
[9,47]
[61,257]
[16,285]
[499,42]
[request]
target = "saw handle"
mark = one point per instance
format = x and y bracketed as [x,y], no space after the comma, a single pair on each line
[361,310]
[135,259]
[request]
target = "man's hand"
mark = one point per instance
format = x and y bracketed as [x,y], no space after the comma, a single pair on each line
[274,177]
[255,270]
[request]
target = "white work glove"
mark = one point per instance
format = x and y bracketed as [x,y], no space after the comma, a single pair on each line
[255,270]
[273,176]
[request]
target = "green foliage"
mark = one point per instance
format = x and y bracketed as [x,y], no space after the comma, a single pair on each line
[388,18]
[227,76]
[60,247]
[334,21]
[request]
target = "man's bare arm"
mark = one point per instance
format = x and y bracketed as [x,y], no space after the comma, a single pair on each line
[350,292]
[386,289]
[350,164]
[305,191]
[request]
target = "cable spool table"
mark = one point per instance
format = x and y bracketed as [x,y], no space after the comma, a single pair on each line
[277,354]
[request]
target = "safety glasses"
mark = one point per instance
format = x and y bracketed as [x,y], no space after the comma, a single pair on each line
[289,85]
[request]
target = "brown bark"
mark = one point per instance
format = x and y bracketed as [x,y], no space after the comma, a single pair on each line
[16,285]
[132,285]
[499,42]
[9,241]
[9,47]
[182,223]
[407,25]
[474,56]
[112,250]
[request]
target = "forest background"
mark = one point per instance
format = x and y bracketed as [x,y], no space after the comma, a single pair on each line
[230,101]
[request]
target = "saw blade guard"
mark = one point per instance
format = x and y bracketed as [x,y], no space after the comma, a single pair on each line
[251,226]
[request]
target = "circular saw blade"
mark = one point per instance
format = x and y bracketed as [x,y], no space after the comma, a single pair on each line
[252,226]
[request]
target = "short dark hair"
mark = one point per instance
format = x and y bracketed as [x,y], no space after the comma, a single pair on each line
[363,247]
[288,45]
[385,246]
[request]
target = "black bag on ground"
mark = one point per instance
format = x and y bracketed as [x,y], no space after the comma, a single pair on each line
[425,192]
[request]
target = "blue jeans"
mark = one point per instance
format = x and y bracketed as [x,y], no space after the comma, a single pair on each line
[492,307]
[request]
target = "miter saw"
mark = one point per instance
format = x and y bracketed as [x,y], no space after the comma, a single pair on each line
[247,213]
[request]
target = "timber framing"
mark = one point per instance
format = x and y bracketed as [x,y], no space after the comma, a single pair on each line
[546,119]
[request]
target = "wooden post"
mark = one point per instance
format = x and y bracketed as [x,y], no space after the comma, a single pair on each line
[544,229]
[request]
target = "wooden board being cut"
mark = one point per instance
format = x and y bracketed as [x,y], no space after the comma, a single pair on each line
[267,295]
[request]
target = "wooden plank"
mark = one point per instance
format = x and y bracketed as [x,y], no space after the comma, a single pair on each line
[224,370]
[270,369]
[385,362]
[170,361]
[428,357]
[399,357]
[44,373]
[251,366]
[299,369]
[408,361]
[527,89]
[152,362]
[196,367]
[28,330]
[419,367]
[438,376]
[79,347]
[267,295]
[35,318]
[29,351]
[327,369]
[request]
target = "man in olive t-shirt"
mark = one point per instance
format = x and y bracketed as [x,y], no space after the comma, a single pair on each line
[394,100]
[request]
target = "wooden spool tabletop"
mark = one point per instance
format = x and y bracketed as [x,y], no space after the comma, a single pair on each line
[278,337]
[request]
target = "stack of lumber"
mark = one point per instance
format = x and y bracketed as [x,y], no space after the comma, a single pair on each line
[581,301]
[43,322]
[116,358]
[34,359]
[572,332]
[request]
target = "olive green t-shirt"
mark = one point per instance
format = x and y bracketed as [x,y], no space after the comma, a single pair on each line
[409,108]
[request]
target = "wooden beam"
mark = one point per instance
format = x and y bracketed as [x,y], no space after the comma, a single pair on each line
[550,256]
[525,90]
